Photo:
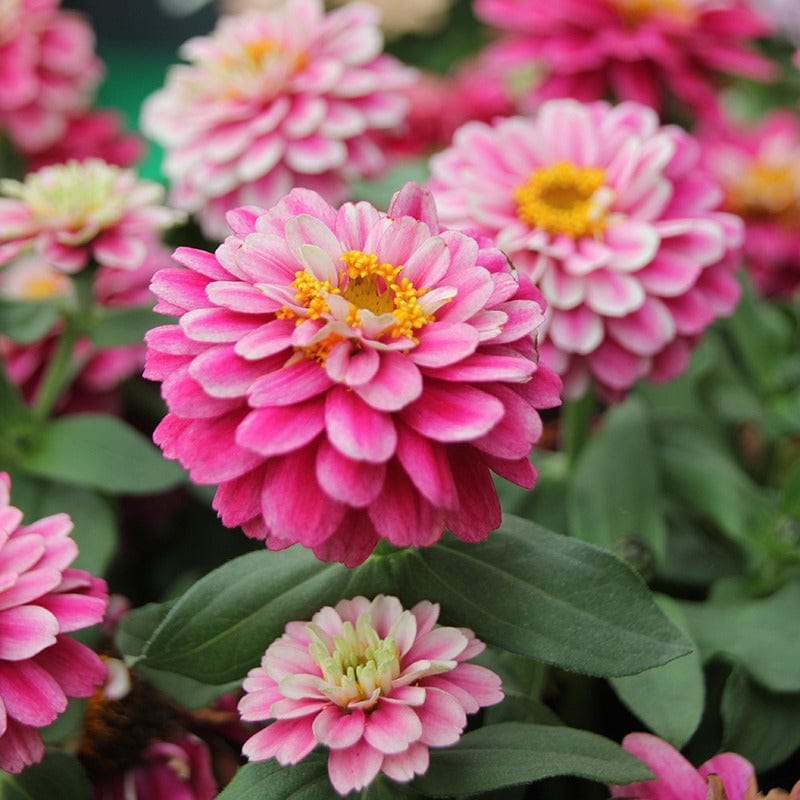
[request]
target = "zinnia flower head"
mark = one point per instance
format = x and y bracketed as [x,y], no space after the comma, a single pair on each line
[348,375]
[80,210]
[642,50]
[726,776]
[41,600]
[609,215]
[272,100]
[48,71]
[376,684]
[758,167]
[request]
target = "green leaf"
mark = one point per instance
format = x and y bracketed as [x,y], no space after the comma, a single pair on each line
[379,192]
[56,776]
[761,635]
[222,625]
[27,321]
[101,452]
[112,327]
[669,699]
[546,596]
[759,725]
[511,753]
[615,489]
[268,780]
[136,628]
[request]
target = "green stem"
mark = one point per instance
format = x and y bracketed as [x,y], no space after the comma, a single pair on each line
[576,419]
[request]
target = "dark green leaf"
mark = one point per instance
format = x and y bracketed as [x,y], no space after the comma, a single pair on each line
[137,627]
[101,452]
[57,776]
[27,321]
[669,699]
[761,635]
[120,326]
[268,780]
[511,753]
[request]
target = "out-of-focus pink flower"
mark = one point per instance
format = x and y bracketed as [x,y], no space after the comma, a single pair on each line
[273,100]
[783,14]
[78,211]
[369,361]
[758,167]
[641,50]
[611,218]
[95,134]
[41,601]
[48,71]
[726,776]
[376,684]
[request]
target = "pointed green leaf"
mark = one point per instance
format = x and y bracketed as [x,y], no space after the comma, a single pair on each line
[27,321]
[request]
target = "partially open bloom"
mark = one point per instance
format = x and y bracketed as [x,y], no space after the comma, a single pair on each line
[348,375]
[376,684]
[272,100]
[48,71]
[642,50]
[758,167]
[80,210]
[41,601]
[726,776]
[610,216]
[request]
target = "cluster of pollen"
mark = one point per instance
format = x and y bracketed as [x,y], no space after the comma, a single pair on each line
[767,191]
[564,199]
[633,12]
[361,666]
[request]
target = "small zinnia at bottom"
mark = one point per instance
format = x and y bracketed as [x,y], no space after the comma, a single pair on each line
[376,684]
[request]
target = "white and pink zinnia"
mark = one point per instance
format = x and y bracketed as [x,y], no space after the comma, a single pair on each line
[272,100]
[41,601]
[375,684]
[610,216]
[348,374]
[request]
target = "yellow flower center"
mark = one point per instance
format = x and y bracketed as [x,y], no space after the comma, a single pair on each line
[360,667]
[30,278]
[564,199]
[632,12]
[770,191]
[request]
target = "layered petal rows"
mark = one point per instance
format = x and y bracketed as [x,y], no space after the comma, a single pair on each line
[41,601]
[375,684]
[349,375]
[611,217]
[272,100]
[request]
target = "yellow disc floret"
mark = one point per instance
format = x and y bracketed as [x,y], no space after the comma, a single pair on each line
[767,191]
[564,199]
[633,12]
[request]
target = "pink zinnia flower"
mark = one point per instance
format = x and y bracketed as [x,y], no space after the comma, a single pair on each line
[610,216]
[348,375]
[726,776]
[758,166]
[48,71]
[375,684]
[272,100]
[78,211]
[41,600]
[641,50]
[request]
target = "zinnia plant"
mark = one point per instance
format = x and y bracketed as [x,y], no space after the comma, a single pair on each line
[374,683]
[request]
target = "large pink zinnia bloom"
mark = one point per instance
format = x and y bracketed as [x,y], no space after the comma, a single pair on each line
[758,166]
[608,213]
[641,50]
[272,100]
[348,375]
[82,210]
[375,684]
[41,600]
[48,71]
[726,776]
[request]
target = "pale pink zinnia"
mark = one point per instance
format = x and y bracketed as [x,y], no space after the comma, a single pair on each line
[272,100]
[758,167]
[375,684]
[610,216]
[726,776]
[48,71]
[649,51]
[349,375]
[78,211]
[41,601]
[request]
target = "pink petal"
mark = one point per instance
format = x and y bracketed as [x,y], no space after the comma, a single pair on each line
[77,669]
[31,696]
[443,719]
[338,728]
[288,741]
[354,767]
[356,429]
[478,510]
[736,772]
[276,430]
[402,767]
[290,384]
[426,463]
[356,483]
[646,331]
[396,383]
[25,631]
[392,727]
[613,294]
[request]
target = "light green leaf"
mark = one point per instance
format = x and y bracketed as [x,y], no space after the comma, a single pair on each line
[27,321]
[113,327]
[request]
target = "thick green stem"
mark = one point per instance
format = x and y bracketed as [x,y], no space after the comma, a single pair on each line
[576,419]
